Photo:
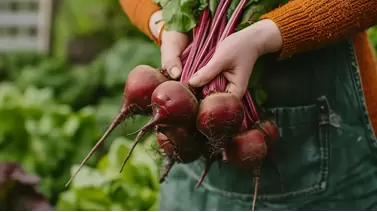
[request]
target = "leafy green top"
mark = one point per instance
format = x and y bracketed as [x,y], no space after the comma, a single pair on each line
[183,15]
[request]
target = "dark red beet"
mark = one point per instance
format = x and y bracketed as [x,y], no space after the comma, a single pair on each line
[220,117]
[179,145]
[183,137]
[184,148]
[248,151]
[167,147]
[164,144]
[140,84]
[271,131]
[173,104]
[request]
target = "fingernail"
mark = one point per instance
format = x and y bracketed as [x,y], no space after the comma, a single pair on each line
[194,81]
[175,72]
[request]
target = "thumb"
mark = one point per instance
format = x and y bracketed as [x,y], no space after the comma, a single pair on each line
[171,61]
[173,44]
[203,76]
[173,67]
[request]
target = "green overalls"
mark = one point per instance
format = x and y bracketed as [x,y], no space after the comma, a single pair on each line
[326,157]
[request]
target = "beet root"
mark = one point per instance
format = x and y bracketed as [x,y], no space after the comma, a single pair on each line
[164,144]
[220,116]
[183,148]
[178,144]
[184,138]
[140,84]
[173,104]
[271,132]
[167,147]
[248,151]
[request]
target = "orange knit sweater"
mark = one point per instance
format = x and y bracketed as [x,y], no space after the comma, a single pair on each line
[306,25]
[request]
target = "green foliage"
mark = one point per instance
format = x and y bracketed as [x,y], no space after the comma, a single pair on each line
[373,36]
[105,20]
[82,85]
[181,15]
[42,134]
[53,113]
[254,10]
[103,188]
[12,63]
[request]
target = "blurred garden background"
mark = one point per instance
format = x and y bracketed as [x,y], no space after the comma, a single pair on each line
[56,104]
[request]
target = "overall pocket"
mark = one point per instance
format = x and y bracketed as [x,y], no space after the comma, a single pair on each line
[302,152]
[302,159]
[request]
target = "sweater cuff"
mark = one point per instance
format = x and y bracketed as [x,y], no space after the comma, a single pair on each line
[140,15]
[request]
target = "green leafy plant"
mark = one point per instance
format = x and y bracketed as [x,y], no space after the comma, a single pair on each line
[372,32]
[104,188]
[43,135]
[52,113]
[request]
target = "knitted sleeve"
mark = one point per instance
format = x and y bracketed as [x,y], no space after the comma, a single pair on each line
[304,24]
[310,24]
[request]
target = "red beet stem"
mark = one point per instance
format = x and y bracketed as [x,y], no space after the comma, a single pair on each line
[214,26]
[230,27]
[189,62]
[251,105]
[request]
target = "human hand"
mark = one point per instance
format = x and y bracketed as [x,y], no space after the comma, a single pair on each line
[236,55]
[172,46]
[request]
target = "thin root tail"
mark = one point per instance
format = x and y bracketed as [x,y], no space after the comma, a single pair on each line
[167,169]
[124,113]
[207,166]
[149,126]
[256,186]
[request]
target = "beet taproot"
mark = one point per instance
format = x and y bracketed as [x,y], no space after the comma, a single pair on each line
[140,84]
[248,151]
[179,145]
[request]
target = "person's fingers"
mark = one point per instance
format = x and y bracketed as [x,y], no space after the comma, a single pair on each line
[203,76]
[173,66]
[171,61]
[173,44]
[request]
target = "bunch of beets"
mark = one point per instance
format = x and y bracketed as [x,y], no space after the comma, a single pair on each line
[189,123]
